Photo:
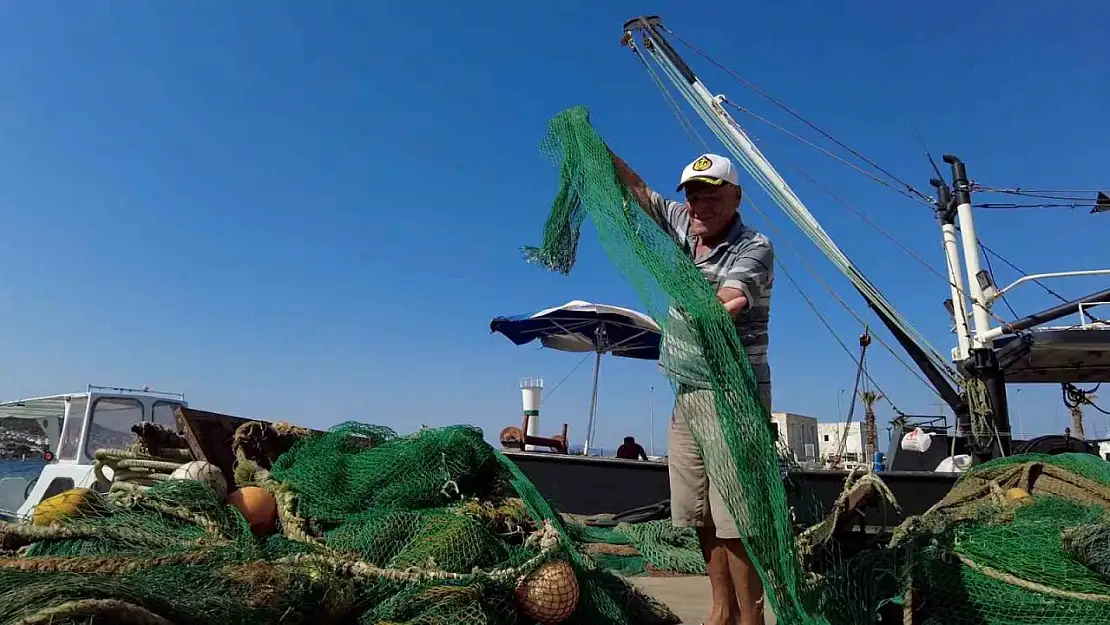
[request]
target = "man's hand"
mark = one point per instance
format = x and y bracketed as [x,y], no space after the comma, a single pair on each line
[632,180]
[733,300]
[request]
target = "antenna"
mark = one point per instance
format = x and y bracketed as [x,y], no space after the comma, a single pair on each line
[929,155]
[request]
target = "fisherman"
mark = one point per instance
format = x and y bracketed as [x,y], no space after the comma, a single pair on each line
[631,450]
[738,261]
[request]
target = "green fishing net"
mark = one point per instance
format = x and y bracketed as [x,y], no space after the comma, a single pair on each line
[983,556]
[733,432]
[435,527]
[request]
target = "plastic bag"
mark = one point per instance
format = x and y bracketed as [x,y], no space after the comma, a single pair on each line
[918,441]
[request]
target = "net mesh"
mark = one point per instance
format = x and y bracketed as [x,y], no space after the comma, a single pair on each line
[987,554]
[730,424]
[371,527]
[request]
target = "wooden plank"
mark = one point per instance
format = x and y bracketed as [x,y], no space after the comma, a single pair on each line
[210,434]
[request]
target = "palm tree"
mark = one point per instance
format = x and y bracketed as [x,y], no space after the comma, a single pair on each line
[871,441]
[1076,410]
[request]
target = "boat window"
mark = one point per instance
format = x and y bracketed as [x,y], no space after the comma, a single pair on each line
[58,486]
[164,415]
[70,445]
[110,427]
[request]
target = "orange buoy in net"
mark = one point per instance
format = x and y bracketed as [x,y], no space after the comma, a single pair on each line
[549,594]
[257,506]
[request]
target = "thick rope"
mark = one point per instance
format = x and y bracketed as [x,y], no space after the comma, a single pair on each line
[548,539]
[821,532]
[1034,586]
[120,611]
[99,565]
[135,471]
[21,533]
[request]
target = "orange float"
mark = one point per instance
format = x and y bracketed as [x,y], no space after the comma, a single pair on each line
[257,506]
[549,594]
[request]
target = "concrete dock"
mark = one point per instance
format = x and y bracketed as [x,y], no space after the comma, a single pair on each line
[688,597]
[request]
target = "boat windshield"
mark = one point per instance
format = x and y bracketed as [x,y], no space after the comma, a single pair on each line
[112,418]
[70,445]
[110,427]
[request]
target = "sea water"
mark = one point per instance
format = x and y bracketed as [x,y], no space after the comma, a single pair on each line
[28,469]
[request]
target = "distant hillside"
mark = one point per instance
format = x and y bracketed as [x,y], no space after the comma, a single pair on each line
[30,427]
[101,436]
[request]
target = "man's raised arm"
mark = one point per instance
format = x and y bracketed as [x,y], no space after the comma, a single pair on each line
[663,212]
[632,180]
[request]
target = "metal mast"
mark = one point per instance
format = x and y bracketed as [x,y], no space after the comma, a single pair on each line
[938,371]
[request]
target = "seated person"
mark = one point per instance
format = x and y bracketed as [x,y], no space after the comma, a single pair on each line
[631,450]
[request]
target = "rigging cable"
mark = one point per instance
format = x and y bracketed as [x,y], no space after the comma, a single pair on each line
[1100,203]
[1075,397]
[990,270]
[836,337]
[796,115]
[697,138]
[1022,272]
[672,104]
[869,222]
[547,396]
[1043,194]
[1014,206]
[841,301]
[959,287]
[928,154]
[859,213]
[824,151]
[1044,286]
[789,202]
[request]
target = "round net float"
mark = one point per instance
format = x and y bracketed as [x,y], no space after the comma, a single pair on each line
[257,506]
[549,594]
[203,472]
[511,436]
[1018,494]
[64,505]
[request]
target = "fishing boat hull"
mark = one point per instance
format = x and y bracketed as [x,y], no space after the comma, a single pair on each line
[588,486]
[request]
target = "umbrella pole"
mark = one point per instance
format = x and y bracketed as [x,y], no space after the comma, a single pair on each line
[593,407]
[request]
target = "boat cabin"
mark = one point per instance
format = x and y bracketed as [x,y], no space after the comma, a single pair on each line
[76,425]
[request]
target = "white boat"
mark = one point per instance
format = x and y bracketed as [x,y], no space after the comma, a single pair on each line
[76,425]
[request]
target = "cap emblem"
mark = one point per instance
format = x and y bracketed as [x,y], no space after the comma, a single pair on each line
[702,164]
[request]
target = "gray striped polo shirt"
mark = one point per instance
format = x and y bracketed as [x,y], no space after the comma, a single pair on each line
[745,261]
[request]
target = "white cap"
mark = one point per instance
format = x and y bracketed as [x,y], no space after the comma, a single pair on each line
[709,168]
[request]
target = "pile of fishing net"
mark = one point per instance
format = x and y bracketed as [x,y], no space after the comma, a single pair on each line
[987,554]
[1024,539]
[656,548]
[355,525]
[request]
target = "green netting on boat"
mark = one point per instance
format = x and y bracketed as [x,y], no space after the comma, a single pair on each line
[646,548]
[371,528]
[1019,540]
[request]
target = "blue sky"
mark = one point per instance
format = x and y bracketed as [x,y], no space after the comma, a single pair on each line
[311,211]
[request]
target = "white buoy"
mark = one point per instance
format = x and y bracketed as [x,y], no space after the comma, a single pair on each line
[530,391]
[204,472]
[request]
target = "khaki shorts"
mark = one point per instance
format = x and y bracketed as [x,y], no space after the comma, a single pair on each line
[696,500]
